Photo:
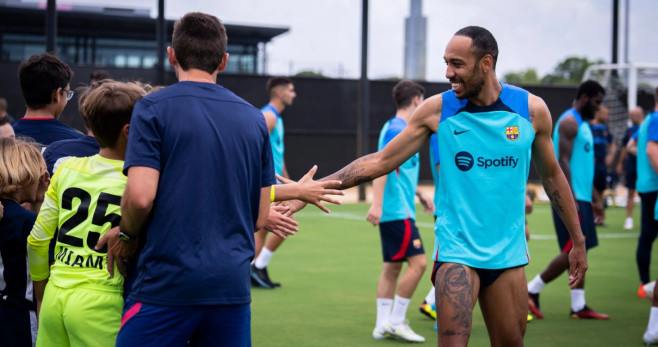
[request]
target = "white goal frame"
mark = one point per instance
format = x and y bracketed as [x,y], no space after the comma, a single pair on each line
[632,69]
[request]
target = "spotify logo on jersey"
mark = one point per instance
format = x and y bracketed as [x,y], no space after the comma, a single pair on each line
[464,161]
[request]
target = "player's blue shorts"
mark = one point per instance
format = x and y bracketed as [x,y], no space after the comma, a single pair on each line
[151,325]
[400,240]
[487,276]
[631,178]
[600,177]
[648,224]
[586,217]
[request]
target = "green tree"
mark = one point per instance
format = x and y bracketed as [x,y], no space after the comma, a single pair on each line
[569,71]
[310,73]
[528,76]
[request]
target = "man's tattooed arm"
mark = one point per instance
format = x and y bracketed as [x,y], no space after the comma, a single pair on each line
[556,202]
[354,173]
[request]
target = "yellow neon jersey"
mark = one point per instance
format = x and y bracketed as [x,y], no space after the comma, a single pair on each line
[83,202]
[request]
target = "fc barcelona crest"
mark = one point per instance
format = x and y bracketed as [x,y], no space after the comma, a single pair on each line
[512,133]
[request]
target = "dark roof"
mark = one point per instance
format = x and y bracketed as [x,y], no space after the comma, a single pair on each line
[113,24]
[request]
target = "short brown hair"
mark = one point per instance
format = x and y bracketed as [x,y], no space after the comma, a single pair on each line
[199,42]
[276,81]
[109,107]
[40,76]
[83,91]
[405,91]
[21,164]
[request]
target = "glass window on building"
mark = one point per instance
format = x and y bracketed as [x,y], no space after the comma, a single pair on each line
[111,52]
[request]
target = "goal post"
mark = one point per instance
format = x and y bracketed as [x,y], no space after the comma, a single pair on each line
[623,84]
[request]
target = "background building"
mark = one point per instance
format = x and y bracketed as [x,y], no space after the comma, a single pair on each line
[114,38]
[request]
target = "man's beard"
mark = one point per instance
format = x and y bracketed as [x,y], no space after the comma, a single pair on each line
[474,86]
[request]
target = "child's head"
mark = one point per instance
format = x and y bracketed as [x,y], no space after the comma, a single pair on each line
[83,91]
[199,42]
[21,168]
[41,76]
[108,108]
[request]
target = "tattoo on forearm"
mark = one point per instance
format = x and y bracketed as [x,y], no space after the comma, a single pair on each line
[456,291]
[556,201]
[352,176]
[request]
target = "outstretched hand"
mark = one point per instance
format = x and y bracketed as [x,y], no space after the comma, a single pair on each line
[280,224]
[315,192]
[577,265]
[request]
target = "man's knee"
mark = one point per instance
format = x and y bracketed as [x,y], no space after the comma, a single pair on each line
[391,269]
[418,262]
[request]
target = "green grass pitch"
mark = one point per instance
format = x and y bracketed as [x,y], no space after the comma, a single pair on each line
[329,274]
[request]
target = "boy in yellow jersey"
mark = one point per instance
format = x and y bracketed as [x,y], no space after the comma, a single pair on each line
[78,304]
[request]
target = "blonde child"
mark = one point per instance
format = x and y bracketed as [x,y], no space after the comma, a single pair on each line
[23,178]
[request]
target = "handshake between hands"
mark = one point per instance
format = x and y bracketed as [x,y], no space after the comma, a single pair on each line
[292,196]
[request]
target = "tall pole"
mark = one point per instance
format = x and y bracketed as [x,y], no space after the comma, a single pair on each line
[415,42]
[626,18]
[160,34]
[615,30]
[363,123]
[51,26]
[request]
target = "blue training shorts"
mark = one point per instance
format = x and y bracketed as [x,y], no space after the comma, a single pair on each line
[400,240]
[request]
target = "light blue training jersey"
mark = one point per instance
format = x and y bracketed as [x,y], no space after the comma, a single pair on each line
[582,173]
[401,183]
[481,209]
[435,160]
[647,178]
[276,140]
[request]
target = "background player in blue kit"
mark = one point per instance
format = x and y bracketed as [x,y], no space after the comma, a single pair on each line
[393,209]
[574,147]
[604,152]
[628,165]
[647,186]
[281,91]
[487,130]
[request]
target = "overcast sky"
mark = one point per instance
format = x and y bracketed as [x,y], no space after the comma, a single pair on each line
[325,35]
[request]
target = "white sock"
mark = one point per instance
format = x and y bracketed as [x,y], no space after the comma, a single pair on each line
[430,298]
[399,310]
[536,285]
[383,311]
[263,258]
[653,321]
[577,299]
